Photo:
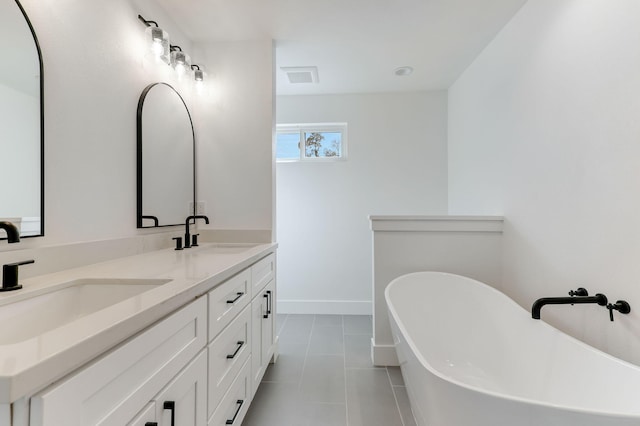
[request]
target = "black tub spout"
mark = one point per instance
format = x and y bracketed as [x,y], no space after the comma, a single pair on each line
[599,299]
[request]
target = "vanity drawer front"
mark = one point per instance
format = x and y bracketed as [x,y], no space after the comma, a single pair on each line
[262,272]
[113,389]
[235,403]
[227,354]
[227,300]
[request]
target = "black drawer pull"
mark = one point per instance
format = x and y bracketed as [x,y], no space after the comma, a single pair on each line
[151,424]
[240,343]
[239,295]
[269,304]
[239,402]
[171,405]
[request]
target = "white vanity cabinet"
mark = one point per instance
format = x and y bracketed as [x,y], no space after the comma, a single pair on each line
[232,353]
[198,366]
[154,366]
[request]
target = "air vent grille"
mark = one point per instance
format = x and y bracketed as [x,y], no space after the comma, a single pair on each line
[297,75]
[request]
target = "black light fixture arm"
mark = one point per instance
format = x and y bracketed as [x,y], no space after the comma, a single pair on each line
[146,22]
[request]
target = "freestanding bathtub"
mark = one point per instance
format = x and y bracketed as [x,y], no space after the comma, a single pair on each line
[471,356]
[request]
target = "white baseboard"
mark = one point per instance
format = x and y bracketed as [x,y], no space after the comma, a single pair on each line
[384,355]
[331,307]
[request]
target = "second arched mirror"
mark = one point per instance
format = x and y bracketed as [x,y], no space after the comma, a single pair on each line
[166,146]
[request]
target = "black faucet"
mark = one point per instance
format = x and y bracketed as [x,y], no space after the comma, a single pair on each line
[13,235]
[599,298]
[187,235]
[10,275]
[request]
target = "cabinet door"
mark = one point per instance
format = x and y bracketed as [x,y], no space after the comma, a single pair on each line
[262,332]
[114,388]
[147,417]
[183,402]
[268,324]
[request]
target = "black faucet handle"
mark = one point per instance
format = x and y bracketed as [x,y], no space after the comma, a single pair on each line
[621,306]
[10,275]
[194,240]
[178,241]
[580,291]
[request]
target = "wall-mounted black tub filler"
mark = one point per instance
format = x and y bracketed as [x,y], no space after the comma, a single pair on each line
[599,299]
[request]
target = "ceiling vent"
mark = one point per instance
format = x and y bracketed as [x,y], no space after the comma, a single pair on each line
[298,75]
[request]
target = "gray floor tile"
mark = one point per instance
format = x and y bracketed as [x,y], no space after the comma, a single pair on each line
[395,375]
[297,328]
[280,320]
[319,414]
[323,379]
[289,367]
[357,351]
[405,407]
[370,399]
[328,320]
[275,404]
[326,340]
[307,388]
[289,345]
[357,324]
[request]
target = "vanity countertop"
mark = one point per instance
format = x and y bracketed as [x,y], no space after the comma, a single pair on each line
[30,365]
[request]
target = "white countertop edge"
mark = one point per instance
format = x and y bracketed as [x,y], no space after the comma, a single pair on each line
[436,223]
[30,377]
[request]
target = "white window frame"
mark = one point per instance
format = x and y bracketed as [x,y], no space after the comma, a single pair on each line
[303,128]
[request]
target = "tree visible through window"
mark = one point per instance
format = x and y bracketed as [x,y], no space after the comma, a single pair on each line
[311,142]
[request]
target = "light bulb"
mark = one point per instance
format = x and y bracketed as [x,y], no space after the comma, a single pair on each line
[158,40]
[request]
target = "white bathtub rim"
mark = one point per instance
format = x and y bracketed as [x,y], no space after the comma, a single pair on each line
[456,382]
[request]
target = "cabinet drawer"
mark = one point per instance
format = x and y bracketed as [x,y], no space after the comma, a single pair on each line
[227,300]
[235,403]
[227,354]
[112,389]
[262,272]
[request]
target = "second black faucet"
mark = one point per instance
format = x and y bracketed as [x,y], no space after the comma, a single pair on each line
[187,235]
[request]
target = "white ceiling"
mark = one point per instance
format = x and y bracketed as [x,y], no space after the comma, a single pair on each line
[356,44]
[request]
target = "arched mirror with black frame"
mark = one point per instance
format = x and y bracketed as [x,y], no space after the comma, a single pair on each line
[166,158]
[21,122]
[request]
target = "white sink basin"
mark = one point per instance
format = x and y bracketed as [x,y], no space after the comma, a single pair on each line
[29,317]
[228,248]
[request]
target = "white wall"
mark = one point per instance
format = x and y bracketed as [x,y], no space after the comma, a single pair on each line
[235,124]
[396,165]
[543,128]
[94,70]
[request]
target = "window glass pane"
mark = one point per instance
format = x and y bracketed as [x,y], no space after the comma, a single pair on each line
[323,144]
[287,146]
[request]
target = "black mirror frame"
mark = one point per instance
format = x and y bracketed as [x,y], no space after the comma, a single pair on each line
[139,215]
[37,43]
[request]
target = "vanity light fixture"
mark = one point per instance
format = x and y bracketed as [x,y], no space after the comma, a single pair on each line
[198,74]
[158,40]
[180,61]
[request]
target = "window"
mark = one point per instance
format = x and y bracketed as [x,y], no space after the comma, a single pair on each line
[311,142]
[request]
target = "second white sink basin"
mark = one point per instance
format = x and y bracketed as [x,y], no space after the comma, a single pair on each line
[228,248]
[31,316]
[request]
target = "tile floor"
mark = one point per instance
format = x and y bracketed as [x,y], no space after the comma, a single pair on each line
[324,377]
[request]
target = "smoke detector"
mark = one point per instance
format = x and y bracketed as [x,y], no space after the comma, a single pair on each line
[298,75]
